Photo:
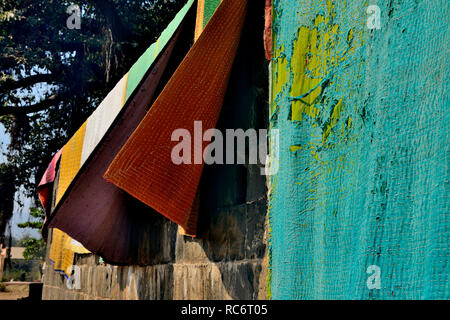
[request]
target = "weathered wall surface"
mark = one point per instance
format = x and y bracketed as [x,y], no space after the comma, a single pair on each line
[219,267]
[359,207]
[228,260]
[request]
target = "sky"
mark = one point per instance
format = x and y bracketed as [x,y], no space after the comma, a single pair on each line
[20,214]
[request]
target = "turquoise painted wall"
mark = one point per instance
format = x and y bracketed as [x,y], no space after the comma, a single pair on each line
[363,178]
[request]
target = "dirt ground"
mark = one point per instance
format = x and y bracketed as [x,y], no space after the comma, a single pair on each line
[14,292]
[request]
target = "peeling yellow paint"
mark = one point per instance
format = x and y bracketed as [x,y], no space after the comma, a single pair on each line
[337,109]
[295,148]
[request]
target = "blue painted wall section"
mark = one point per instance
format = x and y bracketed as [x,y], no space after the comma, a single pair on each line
[364,150]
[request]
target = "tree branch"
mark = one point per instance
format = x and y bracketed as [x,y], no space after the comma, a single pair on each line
[44,104]
[26,82]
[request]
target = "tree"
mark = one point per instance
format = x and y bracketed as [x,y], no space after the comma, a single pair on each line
[7,191]
[53,77]
[34,248]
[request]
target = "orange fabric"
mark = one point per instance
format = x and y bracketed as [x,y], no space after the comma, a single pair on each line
[143,167]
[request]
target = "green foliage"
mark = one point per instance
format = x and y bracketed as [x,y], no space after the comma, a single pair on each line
[34,249]
[31,224]
[52,77]
[37,213]
[22,270]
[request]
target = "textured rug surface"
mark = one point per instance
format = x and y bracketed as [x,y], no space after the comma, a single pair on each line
[63,247]
[100,222]
[144,167]
[62,251]
[106,222]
